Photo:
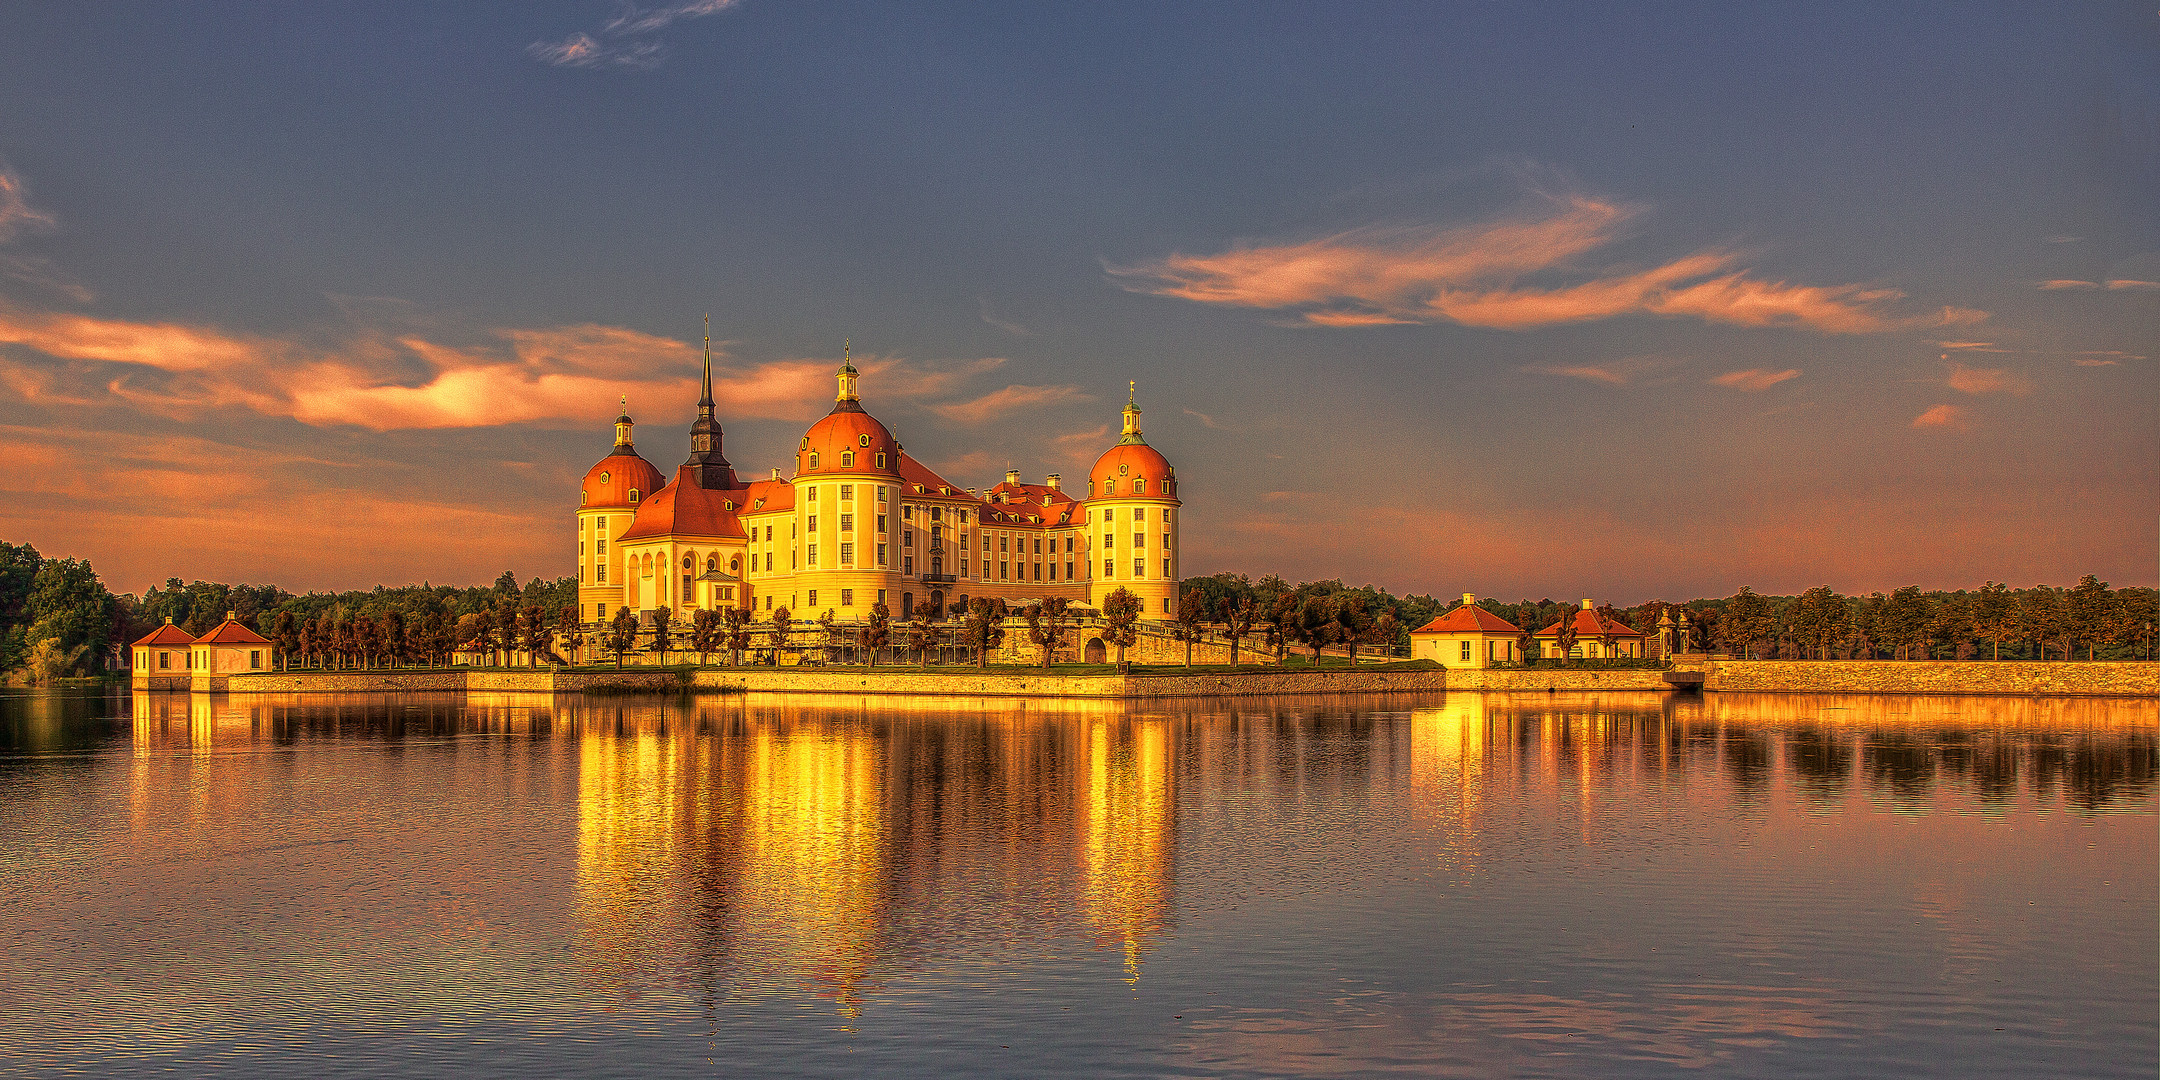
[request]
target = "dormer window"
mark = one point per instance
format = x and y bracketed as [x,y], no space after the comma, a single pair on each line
[1123,469]
[604,477]
[862,440]
[728,504]
[633,494]
[881,459]
[847,459]
[813,459]
[1139,485]
[1166,486]
[805,443]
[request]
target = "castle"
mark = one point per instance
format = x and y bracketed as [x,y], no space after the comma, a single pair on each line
[859,523]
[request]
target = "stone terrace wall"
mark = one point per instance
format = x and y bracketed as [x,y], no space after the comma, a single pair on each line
[1539,679]
[2022,678]
[540,681]
[1018,684]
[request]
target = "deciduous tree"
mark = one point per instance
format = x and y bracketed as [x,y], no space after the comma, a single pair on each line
[1191,614]
[879,630]
[1046,623]
[1121,621]
[622,634]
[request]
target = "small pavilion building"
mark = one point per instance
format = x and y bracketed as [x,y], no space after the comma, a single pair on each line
[1466,636]
[228,649]
[161,659]
[1596,637]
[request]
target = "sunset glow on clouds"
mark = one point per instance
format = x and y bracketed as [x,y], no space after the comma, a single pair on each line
[1475,276]
[1480,278]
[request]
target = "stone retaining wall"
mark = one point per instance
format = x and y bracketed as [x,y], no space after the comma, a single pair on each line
[2021,678]
[541,681]
[1540,679]
[951,683]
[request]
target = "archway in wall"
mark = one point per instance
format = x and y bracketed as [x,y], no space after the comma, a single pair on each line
[937,601]
[1095,653]
[907,606]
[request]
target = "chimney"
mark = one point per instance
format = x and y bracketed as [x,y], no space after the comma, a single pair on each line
[776,474]
[1469,599]
[1051,482]
[1587,604]
[1012,476]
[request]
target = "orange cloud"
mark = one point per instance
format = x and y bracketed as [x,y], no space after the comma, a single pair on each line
[1986,380]
[1754,380]
[2132,283]
[523,376]
[1383,276]
[1941,416]
[2069,283]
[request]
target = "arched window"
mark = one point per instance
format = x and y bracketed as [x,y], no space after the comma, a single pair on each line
[633,494]
[881,459]
[847,459]
[689,561]
[1166,485]
[734,564]
[712,563]
[813,459]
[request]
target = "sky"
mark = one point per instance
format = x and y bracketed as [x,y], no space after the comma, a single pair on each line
[1521,300]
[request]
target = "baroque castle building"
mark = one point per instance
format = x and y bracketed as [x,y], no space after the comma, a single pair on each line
[859,522]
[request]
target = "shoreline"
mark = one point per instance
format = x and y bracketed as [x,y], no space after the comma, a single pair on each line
[2133,679]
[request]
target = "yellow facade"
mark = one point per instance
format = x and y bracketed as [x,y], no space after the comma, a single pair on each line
[886,530]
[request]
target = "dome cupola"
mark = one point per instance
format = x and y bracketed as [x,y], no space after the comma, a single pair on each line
[1132,468]
[848,441]
[622,478]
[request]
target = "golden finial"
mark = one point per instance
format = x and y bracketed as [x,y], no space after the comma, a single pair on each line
[1132,392]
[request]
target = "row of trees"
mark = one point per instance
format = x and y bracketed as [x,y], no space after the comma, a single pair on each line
[2088,619]
[55,615]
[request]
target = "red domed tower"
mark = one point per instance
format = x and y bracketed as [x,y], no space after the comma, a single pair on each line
[1132,511]
[607,501]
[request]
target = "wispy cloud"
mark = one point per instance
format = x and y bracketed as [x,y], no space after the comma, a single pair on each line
[1579,371]
[1971,346]
[1009,399]
[1013,328]
[1941,416]
[18,217]
[2103,358]
[1475,276]
[1971,380]
[626,41]
[1206,421]
[2056,284]
[2131,283]
[1754,380]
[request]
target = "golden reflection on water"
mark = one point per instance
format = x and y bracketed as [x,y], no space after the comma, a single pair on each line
[753,847]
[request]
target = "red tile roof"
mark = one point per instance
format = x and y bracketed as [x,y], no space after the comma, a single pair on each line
[167,634]
[1469,619]
[1588,624]
[230,632]
[684,509]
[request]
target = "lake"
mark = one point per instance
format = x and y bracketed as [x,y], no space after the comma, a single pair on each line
[1588,885]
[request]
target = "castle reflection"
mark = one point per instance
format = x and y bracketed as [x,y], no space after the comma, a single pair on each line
[730,847]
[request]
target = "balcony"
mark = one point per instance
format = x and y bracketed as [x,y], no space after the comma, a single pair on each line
[940,579]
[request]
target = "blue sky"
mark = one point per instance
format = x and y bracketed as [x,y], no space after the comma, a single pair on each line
[1517,300]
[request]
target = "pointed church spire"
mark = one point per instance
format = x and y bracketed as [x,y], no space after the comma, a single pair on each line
[707,463]
[705,402]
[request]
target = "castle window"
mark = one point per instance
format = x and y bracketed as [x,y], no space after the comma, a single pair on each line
[907,511]
[727,504]
[881,490]
[581,498]
[1106,514]
[881,555]
[734,563]
[847,459]
[813,598]
[862,440]
[1139,513]
[1139,568]
[1123,469]
[1139,485]
[633,494]
[847,598]
[847,493]
[758,505]
[813,459]
[1166,568]
[712,563]
[847,553]
[604,477]
[847,523]
[1108,568]
[1166,487]
[881,459]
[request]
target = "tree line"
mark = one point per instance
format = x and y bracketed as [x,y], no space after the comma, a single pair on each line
[58,619]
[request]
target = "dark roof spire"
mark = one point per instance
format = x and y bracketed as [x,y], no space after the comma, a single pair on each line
[706,462]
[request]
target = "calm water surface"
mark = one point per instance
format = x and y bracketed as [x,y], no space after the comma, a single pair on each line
[1548,885]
